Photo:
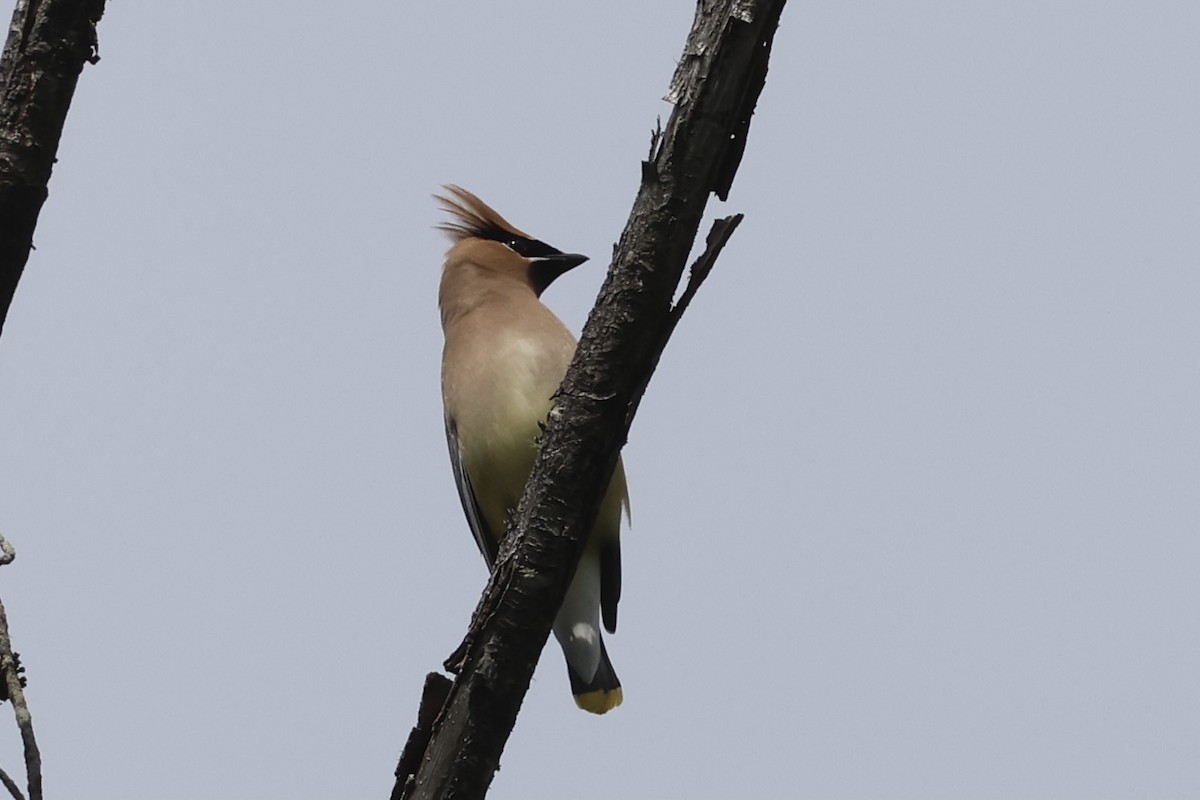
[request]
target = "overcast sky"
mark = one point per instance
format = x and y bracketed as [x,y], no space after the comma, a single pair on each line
[916,487]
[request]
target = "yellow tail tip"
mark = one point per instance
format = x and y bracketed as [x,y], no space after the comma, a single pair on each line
[600,701]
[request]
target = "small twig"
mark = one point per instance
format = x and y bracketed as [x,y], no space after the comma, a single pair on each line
[16,693]
[714,243]
[650,165]
[11,785]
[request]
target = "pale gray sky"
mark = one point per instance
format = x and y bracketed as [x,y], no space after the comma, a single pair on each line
[916,488]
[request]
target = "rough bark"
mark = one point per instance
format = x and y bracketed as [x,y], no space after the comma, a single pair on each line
[48,43]
[715,89]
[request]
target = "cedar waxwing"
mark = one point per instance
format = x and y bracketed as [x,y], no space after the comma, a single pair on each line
[505,355]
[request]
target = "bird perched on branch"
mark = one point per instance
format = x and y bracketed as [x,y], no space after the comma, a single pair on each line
[505,355]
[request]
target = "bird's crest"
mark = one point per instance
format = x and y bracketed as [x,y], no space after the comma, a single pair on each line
[470,217]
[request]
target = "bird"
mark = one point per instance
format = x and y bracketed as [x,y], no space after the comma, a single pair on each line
[505,354]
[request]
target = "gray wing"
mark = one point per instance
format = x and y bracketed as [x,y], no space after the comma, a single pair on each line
[483,534]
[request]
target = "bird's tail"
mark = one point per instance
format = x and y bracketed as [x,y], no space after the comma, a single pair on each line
[603,692]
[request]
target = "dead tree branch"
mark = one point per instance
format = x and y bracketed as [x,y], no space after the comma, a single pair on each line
[48,43]
[714,90]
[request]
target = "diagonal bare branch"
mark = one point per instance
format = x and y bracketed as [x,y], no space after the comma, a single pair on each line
[720,78]
[48,43]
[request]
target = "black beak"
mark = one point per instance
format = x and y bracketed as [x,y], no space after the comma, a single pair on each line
[544,269]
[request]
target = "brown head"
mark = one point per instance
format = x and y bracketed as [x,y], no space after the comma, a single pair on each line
[490,242]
